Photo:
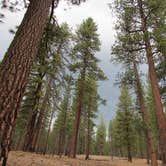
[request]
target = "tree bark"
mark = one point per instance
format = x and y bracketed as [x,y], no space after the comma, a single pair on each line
[79,110]
[63,127]
[148,132]
[148,150]
[129,152]
[32,120]
[88,137]
[41,115]
[16,66]
[161,121]
[30,131]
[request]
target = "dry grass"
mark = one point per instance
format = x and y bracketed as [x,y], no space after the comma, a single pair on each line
[31,159]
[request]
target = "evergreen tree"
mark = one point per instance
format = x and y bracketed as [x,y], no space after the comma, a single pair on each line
[101,137]
[55,48]
[87,43]
[127,50]
[124,124]
[151,113]
[22,52]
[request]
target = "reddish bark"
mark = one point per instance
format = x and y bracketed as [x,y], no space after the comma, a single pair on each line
[41,116]
[30,131]
[34,112]
[161,121]
[148,132]
[16,66]
[79,110]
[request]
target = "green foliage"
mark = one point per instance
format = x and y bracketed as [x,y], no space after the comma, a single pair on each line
[86,44]
[121,129]
[152,112]
[101,137]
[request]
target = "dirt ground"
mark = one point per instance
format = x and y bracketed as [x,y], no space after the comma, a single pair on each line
[30,159]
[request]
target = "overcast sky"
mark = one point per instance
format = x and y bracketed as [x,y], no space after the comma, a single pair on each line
[105,20]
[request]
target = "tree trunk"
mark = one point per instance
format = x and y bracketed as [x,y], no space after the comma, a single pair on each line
[161,121]
[79,111]
[30,131]
[59,152]
[88,137]
[41,115]
[34,112]
[63,127]
[128,143]
[129,152]
[148,132]
[67,149]
[48,133]
[76,126]
[16,66]
[38,148]
[148,151]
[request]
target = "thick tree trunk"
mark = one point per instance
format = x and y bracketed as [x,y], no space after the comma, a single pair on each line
[41,115]
[161,121]
[16,66]
[79,111]
[148,132]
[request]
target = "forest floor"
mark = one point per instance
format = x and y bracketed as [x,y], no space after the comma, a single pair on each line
[32,159]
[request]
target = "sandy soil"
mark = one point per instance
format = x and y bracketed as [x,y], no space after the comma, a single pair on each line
[29,159]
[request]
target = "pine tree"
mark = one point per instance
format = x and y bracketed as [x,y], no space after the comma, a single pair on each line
[87,43]
[152,72]
[128,42]
[57,45]
[18,55]
[151,113]
[101,137]
[63,116]
[13,78]
[91,102]
[124,126]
